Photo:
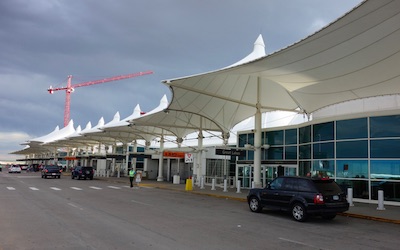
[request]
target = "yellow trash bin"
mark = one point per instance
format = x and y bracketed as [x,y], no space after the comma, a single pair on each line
[189,186]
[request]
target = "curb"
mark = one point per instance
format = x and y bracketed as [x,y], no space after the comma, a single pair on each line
[367,217]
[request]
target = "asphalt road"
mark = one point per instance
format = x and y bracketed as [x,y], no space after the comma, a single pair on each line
[63,213]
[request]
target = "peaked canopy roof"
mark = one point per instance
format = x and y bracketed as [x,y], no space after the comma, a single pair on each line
[355,57]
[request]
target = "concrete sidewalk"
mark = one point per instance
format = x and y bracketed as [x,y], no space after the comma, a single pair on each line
[368,211]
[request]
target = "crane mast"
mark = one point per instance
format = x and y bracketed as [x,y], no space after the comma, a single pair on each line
[71,87]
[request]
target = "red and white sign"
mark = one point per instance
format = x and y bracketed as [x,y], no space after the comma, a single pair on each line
[189,158]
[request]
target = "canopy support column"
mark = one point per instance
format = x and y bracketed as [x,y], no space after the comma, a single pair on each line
[161,159]
[134,159]
[257,139]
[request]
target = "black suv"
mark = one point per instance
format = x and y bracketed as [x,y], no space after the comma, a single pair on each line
[82,172]
[51,170]
[302,196]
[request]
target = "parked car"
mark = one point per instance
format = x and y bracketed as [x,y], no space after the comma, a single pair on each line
[301,196]
[51,170]
[14,169]
[82,172]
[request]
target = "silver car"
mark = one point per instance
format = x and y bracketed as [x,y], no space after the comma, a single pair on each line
[14,169]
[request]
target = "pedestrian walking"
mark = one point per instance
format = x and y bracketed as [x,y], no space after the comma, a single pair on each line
[138,178]
[131,176]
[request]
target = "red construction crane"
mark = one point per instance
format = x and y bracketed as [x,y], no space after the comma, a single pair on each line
[70,88]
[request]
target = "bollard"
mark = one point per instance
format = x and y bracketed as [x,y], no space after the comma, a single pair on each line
[380,200]
[202,182]
[350,196]
[238,186]
[213,184]
[189,185]
[225,185]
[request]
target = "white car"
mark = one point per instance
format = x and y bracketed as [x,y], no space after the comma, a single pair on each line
[14,169]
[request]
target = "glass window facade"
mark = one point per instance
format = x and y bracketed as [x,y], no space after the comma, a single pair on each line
[362,153]
[305,134]
[352,149]
[352,129]
[385,126]
[274,137]
[323,132]
[291,136]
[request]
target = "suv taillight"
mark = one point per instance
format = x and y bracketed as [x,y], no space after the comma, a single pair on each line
[319,199]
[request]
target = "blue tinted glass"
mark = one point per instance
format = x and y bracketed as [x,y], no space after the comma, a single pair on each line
[275,137]
[323,168]
[352,129]
[385,126]
[360,187]
[385,170]
[352,149]
[304,168]
[291,152]
[291,136]
[242,140]
[263,139]
[305,152]
[390,189]
[250,139]
[323,150]
[352,169]
[385,148]
[323,132]
[275,153]
[250,155]
[305,134]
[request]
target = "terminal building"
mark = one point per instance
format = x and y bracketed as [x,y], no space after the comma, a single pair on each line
[340,86]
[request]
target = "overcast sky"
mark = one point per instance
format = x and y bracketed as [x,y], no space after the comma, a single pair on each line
[44,41]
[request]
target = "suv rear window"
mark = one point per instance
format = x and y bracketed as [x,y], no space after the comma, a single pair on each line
[52,167]
[327,187]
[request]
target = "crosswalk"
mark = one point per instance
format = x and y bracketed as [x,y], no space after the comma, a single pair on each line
[73,188]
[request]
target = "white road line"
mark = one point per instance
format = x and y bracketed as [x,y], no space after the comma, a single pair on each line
[97,188]
[113,187]
[55,188]
[75,206]
[141,203]
[33,188]
[76,188]
[299,243]
[10,188]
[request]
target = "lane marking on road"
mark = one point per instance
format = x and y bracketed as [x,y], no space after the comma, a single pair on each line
[93,187]
[299,243]
[33,188]
[113,187]
[75,206]
[76,188]
[55,188]
[141,203]
[10,188]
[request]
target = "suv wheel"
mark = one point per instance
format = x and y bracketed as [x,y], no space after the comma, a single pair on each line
[299,212]
[254,204]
